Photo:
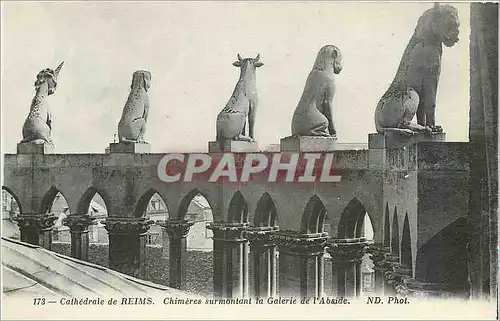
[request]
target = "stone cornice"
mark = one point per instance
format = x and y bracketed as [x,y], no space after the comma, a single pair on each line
[176,228]
[36,222]
[127,225]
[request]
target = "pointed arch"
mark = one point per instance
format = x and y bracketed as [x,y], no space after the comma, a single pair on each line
[395,233]
[387,226]
[351,220]
[313,216]
[186,201]
[265,213]
[14,195]
[48,199]
[406,257]
[142,203]
[86,198]
[238,209]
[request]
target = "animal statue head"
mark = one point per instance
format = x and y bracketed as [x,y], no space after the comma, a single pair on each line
[50,77]
[141,78]
[440,23]
[329,56]
[241,62]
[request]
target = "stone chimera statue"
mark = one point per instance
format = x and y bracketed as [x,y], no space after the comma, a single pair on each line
[38,125]
[313,115]
[132,125]
[414,88]
[231,121]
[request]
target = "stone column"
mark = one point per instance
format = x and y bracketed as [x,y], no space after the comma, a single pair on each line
[301,263]
[389,265]
[378,252]
[263,257]
[177,231]
[230,260]
[79,229]
[346,270]
[127,244]
[37,229]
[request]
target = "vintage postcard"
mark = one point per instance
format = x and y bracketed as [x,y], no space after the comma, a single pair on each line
[285,160]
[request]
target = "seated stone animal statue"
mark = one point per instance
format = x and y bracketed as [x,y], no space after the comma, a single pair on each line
[414,88]
[132,125]
[243,104]
[37,127]
[313,115]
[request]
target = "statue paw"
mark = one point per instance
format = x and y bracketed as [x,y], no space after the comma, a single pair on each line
[437,129]
[407,132]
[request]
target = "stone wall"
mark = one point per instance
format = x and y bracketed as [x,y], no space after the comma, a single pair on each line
[199,273]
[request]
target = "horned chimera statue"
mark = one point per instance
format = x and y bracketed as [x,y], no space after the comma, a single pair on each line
[414,88]
[231,121]
[132,125]
[37,127]
[313,115]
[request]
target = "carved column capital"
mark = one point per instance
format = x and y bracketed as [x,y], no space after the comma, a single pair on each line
[228,232]
[295,243]
[347,250]
[377,254]
[261,237]
[79,223]
[127,225]
[176,229]
[42,222]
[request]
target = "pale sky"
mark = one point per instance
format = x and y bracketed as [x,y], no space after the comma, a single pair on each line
[189,47]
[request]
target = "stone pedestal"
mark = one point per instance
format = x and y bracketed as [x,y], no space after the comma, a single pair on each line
[308,144]
[346,265]
[393,140]
[263,260]
[230,260]
[79,229]
[127,244]
[30,148]
[301,263]
[129,148]
[37,229]
[233,146]
[177,231]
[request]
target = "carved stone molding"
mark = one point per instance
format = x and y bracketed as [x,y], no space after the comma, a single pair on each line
[176,229]
[295,243]
[127,225]
[397,279]
[42,222]
[261,237]
[228,232]
[79,223]
[346,250]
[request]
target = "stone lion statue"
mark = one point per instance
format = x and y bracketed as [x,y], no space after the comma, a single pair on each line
[313,115]
[132,125]
[38,125]
[414,88]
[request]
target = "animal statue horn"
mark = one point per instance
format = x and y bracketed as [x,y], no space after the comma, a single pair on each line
[58,69]
[257,58]
[239,57]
